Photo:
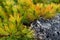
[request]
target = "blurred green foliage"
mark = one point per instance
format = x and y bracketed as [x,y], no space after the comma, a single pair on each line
[16,16]
[46,1]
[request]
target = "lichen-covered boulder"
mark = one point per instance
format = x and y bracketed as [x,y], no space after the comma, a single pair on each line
[47,29]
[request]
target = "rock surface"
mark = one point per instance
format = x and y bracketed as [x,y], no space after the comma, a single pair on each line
[47,29]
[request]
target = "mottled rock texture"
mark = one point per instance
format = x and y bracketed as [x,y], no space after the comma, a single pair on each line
[47,29]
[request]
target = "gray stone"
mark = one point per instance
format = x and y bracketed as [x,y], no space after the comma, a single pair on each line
[47,29]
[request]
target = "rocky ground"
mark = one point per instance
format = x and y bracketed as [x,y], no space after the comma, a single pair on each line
[47,29]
